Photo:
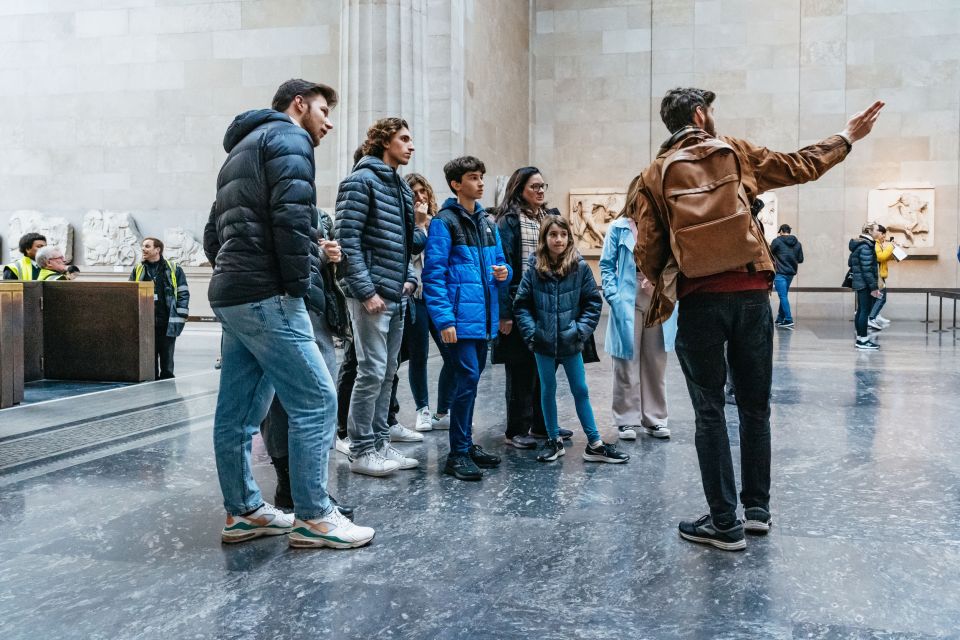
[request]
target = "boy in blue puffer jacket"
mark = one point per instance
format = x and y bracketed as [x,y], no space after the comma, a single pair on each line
[462,267]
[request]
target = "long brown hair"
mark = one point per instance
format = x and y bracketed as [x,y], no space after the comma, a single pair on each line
[567,261]
[633,199]
[415,180]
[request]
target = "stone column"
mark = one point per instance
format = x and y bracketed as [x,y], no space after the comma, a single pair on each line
[383,50]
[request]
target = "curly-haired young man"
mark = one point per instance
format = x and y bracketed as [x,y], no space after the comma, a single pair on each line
[375,228]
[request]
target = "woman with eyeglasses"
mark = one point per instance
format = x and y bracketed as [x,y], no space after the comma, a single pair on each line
[519,217]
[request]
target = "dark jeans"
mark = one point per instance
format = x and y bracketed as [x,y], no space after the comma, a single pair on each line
[782,284]
[524,411]
[445,384]
[163,345]
[864,306]
[467,357]
[744,323]
[878,304]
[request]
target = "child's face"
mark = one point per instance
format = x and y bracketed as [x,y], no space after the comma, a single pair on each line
[557,240]
[471,187]
[419,194]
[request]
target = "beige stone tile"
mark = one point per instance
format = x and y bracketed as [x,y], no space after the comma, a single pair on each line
[566,21]
[272,71]
[940,172]
[626,40]
[813,8]
[262,43]
[603,18]
[544,21]
[215,74]
[130,49]
[817,78]
[93,24]
[184,46]
[261,14]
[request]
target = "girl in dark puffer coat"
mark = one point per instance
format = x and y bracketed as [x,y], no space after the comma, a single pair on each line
[557,308]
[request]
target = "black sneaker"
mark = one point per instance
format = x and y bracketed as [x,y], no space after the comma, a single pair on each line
[522,442]
[604,453]
[346,510]
[867,345]
[704,532]
[786,324]
[551,450]
[757,520]
[462,467]
[566,434]
[483,459]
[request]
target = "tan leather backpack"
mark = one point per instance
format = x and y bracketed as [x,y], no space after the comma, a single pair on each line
[708,211]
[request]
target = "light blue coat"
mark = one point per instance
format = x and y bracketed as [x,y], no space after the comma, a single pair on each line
[618,278]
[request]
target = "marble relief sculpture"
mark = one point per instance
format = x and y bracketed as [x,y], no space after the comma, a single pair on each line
[769,216]
[182,247]
[907,211]
[57,230]
[591,212]
[110,238]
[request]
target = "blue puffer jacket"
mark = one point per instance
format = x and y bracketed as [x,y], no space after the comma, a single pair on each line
[458,283]
[375,229]
[557,315]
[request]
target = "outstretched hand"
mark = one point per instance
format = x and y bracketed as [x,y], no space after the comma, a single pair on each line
[860,124]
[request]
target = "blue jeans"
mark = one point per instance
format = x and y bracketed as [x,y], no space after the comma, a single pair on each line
[573,367]
[269,345]
[418,340]
[467,358]
[782,284]
[742,322]
[878,305]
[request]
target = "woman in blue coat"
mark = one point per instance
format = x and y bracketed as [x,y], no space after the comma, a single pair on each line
[639,353]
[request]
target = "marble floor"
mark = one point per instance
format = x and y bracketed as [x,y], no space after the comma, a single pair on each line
[110,516]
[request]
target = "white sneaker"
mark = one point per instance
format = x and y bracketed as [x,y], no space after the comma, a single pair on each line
[343,446]
[392,455]
[627,432]
[424,420]
[873,324]
[332,530]
[441,423]
[265,521]
[657,431]
[399,433]
[882,320]
[371,463]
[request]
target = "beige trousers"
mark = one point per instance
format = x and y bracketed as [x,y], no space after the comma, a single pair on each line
[639,385]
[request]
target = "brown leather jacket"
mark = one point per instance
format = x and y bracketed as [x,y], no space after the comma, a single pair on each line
[761,170]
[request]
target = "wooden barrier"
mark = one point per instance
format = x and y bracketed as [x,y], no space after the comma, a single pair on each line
[11,344]
[32,331]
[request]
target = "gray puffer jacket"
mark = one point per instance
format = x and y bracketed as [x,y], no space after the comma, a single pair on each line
[375,229]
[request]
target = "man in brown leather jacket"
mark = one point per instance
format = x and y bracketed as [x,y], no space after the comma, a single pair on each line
[725,306]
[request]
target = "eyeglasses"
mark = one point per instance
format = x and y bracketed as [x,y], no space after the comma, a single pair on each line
[56,258]
[538,187]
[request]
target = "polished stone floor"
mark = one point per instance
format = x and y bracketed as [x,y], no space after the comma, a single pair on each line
[115,533]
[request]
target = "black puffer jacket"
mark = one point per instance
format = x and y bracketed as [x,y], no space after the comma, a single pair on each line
[787,254]
[557,315]
[863,263]
[375,229]
[258,233]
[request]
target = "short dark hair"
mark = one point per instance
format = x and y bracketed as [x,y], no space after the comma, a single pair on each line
[27,240]
[678,106]
[157,242]
[785,228]
[380,134]
[454,170]
[297,87]
[881,228]
[357,155]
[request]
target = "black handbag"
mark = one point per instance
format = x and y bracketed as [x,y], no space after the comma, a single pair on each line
[848,280]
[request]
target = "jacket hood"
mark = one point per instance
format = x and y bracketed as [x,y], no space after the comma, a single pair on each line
[790,241]
[680,135]
[246,122]
[453,205]
[860,240]
[378,166]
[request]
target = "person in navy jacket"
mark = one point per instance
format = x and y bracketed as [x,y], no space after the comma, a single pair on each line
[463,268]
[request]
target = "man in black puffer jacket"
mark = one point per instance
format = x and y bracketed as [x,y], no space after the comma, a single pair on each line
[375,228]
[866,281]
[259,241]
[787,255]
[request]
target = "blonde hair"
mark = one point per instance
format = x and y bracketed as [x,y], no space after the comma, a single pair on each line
[566,262]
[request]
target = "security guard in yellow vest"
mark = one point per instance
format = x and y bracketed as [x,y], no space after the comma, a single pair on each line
[53,264]
[171,301]
[26,268]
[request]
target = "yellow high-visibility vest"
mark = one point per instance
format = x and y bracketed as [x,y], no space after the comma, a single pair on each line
[22,268]
[138,275]
[50,274]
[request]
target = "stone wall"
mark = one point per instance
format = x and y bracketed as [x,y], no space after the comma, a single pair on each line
[786,73]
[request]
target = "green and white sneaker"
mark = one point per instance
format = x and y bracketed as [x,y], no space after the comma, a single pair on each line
[332,530]
[265,521]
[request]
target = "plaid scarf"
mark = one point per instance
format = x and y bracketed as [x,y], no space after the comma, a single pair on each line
[529,233]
